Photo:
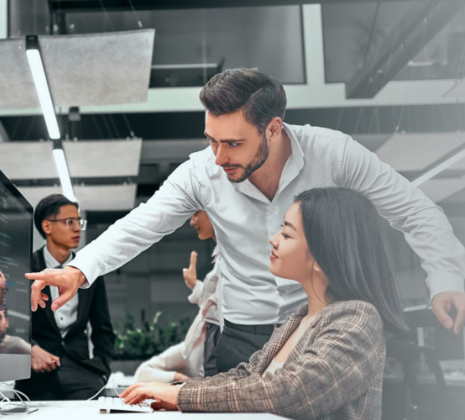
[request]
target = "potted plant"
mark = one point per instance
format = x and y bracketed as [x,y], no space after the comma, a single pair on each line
[136,344]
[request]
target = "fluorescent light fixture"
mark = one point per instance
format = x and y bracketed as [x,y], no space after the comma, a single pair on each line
[40,80]
[63,173]
[439,168]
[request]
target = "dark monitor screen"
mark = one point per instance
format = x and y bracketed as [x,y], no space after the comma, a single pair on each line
[15,290]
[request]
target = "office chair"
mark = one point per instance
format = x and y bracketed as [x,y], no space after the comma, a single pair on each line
[414,387]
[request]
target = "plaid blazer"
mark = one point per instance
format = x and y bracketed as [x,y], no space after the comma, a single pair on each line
[334,372]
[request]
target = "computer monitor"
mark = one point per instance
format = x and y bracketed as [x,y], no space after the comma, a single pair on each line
[15,290]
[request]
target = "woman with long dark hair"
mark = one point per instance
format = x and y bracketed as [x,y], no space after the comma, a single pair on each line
[327,360]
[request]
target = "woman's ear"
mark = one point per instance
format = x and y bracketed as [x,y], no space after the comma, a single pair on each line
[316,267]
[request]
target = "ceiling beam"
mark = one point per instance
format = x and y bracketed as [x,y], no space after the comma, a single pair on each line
[404,41]
[69,6]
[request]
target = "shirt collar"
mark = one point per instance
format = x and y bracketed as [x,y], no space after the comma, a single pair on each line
[51,262]
[297,154]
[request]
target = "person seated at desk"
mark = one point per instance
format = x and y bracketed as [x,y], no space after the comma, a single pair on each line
[196,355]
[10,344]
[327,360]
[61,365]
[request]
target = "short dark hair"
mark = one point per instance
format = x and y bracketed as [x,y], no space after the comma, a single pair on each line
[343,233]
[258,95]
[50,206]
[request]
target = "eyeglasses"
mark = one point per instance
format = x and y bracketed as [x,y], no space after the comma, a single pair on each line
[71,221]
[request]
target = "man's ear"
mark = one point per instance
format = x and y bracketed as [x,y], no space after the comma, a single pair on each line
[274,128]
[46,226]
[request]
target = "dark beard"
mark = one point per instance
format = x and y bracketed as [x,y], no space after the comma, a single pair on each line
[259,159]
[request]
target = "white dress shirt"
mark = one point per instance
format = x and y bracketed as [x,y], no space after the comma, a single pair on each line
[67,314]
[244,220]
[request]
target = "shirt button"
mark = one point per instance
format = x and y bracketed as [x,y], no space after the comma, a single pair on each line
[271,210]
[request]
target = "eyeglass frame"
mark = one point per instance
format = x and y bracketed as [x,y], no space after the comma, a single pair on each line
[81,222]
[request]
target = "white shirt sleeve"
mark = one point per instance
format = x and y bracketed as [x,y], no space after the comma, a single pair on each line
[196,295]
[163,213]
[406,208]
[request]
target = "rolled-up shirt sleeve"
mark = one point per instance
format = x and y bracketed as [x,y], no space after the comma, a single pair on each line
[196,295]
[175,201]
[409,210]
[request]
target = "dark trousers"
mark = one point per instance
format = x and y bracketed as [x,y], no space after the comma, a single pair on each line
[238,342]
[211,342]
[70,381]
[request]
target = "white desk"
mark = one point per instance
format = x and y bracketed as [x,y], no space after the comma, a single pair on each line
[88,410]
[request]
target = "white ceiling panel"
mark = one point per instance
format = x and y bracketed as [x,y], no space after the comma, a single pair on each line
[91,69]
[417,151]
[27,160]
[90,197]
[86,159]
[441,188]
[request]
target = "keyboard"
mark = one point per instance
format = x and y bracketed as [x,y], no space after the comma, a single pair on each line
[113,404]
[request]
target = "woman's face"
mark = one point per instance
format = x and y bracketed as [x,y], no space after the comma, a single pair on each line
[201,223]
[290,257]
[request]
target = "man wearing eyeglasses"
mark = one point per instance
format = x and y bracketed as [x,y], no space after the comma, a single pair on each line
[62,368]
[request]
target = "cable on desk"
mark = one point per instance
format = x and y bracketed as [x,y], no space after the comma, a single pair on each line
[103,387]
[13,407]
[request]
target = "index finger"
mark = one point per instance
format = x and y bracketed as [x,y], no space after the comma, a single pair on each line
[49,276]
[193,259]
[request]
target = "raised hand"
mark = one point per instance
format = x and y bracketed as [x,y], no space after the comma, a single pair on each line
[190,274]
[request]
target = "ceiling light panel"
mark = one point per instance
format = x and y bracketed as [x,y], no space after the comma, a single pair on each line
[86,159]
[90,197]
[92,69]
[89,159]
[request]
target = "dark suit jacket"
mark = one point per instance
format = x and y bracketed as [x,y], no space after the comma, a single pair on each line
[93,307]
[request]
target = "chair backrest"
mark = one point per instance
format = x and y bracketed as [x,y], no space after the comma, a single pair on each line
[414,385]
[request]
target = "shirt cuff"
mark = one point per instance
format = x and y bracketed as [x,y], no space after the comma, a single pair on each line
[196,294]
[86,283]
[439,282]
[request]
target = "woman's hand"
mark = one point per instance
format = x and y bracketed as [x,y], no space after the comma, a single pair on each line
[166,396]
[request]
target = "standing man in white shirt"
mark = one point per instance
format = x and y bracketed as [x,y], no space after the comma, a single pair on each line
[246,181]
[61,366]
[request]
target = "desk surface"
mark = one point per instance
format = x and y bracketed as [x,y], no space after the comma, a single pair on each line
[88,410]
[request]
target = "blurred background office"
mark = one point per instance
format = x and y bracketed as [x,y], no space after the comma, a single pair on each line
[125,79]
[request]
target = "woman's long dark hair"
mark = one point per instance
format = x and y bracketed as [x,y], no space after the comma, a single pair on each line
[343,234]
